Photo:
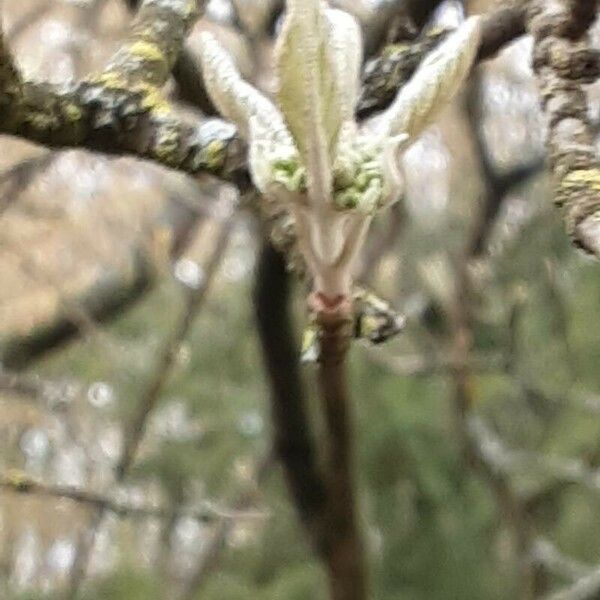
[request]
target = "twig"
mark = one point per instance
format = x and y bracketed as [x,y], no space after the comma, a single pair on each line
[586,588]
[497,185]
[547,554]
[150,395]
[222,529]
[162,369]
[15,180]
[20,483]
[507,460]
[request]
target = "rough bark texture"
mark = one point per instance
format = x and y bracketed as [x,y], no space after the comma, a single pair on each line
[383,76]
[564,62]
[122,110]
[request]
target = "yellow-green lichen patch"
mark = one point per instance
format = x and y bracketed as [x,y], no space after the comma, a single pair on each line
[582,178]
[111,80]
[41,121]
[214,154]
[167,144]
[147,51]
[72,112]
[153,100]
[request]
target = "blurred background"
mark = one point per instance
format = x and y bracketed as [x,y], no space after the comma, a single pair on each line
[135,427]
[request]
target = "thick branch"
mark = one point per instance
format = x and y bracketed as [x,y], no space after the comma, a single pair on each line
[293,442]
[121,110]
[383,76]
[564,62]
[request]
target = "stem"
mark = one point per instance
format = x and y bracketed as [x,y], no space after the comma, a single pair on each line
[346,561]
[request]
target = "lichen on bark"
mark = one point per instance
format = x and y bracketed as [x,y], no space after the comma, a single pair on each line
[565,62]
[122,109]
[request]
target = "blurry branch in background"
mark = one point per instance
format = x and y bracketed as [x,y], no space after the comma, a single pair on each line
[152,390]
[547,554]
[421,365]
[194,301]
[504,459]
[460,313]
[15,180]
[20,483]
[510,505]
[564,62]
[379,244]
[586,588]
[497,185]
[385,74]
[116,291]
[211,552]
[293,444]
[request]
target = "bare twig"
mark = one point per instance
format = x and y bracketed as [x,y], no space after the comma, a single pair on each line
[497,185]
[586,588]
[547,554]
[162,369]
[222,530]
[20,483]
[150,395]
[15,180]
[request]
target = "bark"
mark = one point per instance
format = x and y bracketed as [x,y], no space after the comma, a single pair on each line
[121,110]
[293,443]
[346,558]
[384,75]
[564,62]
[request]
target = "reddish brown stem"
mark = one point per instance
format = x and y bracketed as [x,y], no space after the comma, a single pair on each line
[345,556]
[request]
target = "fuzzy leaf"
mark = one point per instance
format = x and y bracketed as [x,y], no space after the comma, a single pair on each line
[235,99]
[345,42]
[273,158]
[307,91]
[434,84]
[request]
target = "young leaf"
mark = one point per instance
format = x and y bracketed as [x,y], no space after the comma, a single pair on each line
[345,42]
[235,99]
[307,91]
[434,84]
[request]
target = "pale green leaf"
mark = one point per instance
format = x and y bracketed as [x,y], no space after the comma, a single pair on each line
[345,43]
[434,84]
[307,90]
[235,99]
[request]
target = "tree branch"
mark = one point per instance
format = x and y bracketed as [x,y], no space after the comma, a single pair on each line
[20,483]
[564,62]
[383,76]
[293,442]
[497,185]
[121,110]
[346,559]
